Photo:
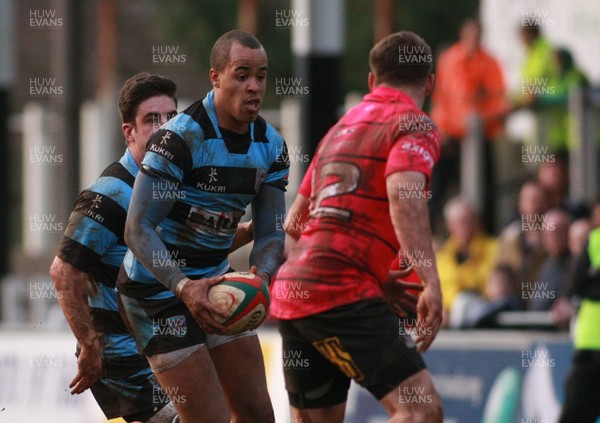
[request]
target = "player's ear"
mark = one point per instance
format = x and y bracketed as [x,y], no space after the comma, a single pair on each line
[127,129]
[215,79]
[371,81]
[430,84]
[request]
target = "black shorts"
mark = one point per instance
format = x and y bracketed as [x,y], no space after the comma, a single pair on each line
[363,341]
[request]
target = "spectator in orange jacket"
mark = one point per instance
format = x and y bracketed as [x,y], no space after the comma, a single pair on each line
[468,81]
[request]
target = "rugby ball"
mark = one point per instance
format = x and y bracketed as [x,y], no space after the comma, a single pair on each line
[244,297]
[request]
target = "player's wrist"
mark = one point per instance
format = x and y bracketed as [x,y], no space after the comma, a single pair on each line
[178,291]
[94,339]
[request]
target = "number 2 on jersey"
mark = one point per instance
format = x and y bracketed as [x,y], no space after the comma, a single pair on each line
[347,177]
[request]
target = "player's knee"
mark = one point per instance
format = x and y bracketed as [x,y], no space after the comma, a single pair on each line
[431,413]
[255,412]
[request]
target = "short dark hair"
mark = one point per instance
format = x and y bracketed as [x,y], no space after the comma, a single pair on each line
[141,87]
[219,55]
[401,58]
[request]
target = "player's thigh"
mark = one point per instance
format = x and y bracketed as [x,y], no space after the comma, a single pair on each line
[366,342]
[239,363]
[194,389]
[414,400]
[314,384]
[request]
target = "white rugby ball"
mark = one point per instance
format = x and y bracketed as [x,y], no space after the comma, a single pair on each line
[245,299]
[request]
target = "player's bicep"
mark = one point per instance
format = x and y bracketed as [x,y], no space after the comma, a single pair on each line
[404,194]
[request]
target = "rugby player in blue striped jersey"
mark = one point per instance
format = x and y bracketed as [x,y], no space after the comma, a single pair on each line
[85,269]
[201,170]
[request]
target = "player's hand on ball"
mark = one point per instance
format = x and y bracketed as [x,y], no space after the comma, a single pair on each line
[89,366]
[398,293]
[265,278]
[429,316]
[195,297]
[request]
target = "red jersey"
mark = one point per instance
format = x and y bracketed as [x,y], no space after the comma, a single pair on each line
[345,252]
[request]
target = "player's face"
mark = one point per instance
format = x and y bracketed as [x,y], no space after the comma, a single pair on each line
[151,114]
[240,87]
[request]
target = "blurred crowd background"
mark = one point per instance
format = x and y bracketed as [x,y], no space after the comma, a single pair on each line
[517,102]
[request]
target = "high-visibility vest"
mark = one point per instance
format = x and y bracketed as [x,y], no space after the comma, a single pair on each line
[587,333]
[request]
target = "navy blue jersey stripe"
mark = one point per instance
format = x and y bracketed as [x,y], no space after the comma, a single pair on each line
[180,212]
[198,112]
[117,170]
[223,179]
[134,289]
[195,257]
[282,162]
[171,146]
[104,274]
[260,130]
[103,210]
[108,321]
[77,255]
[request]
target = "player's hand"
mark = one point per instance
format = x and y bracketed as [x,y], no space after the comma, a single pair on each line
[265,277]
[195,296]
[429,316]
[89,366]
[395,293]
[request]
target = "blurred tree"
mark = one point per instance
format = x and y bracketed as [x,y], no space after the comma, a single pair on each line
[437,21]
[196,24]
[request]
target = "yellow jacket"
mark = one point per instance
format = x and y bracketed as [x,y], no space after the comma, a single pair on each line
[472,273]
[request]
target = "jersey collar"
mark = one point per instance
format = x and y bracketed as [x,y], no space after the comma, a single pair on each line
[389,93]
[129,164]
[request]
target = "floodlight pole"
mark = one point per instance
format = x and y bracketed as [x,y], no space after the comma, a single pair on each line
[318,45]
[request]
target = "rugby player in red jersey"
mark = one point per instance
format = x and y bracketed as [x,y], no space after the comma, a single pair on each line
[367,202]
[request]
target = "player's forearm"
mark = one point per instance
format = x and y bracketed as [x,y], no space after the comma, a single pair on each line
[268,238]
[71,287]
[145,213]
[297,217]
[410,217]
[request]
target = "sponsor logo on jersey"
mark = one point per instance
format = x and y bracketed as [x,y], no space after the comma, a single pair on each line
[417,148]
[161,151]
[214,222]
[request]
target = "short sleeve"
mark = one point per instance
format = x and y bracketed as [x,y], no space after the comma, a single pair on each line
[279,170]
[167,156]
[415,150]
[306,186]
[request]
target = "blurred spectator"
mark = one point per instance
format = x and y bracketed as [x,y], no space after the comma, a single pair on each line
[539,66]
[466,258]
[595,213]
[568,77]
[550,282]
[554,178]
[468,82]
[562,309]
[502,293]
[548,76]
[520,243]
